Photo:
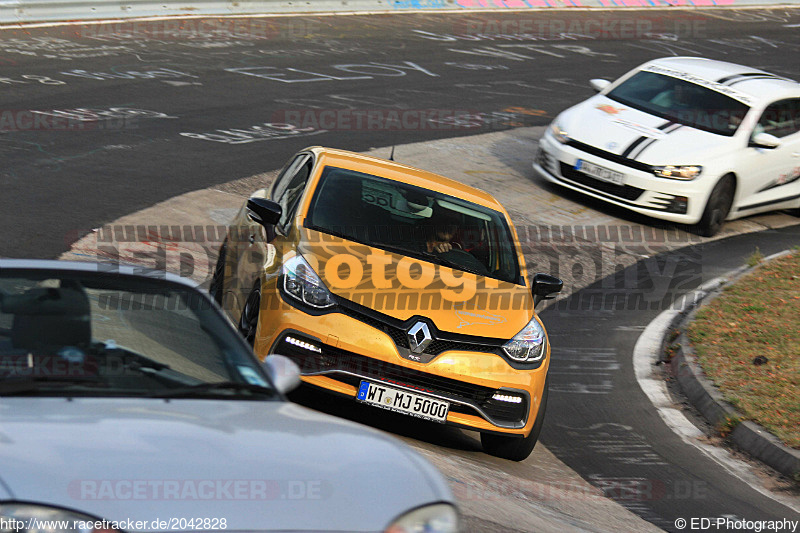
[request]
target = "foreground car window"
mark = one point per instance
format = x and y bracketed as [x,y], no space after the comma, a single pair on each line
[412,221]
[93,334]
[681,101]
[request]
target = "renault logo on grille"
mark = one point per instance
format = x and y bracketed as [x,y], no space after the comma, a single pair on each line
[419,337]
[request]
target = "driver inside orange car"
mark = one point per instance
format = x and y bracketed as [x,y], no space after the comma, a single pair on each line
[443,226]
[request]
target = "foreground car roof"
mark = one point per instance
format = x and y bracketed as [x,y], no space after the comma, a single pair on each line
[95,267]
[262,466]
[756,83]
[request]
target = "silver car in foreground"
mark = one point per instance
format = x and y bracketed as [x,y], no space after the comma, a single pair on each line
[128,402]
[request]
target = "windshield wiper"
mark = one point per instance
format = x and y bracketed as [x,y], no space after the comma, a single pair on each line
[204,389]
[14,386]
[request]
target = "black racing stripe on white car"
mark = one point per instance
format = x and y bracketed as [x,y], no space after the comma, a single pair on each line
[766,77]
[610,156]
[643,148]
[726,79]
[643,138]
[672,126]
[732,78]
[770,202]
[633,146]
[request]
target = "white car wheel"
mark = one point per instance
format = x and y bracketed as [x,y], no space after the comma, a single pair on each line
[718,207]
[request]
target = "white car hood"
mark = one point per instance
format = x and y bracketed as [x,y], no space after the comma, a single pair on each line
[610,126]
[320,473]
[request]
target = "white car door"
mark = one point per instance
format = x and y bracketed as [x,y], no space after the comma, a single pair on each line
[771,176]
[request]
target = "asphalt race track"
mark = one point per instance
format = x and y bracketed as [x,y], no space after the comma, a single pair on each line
[601,423]
[99,122]
[165,95]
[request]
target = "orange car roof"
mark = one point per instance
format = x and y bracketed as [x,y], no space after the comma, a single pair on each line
[405,174]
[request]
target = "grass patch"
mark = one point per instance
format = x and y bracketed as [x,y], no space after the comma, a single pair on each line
[757,316]
[727,426]
[755,258]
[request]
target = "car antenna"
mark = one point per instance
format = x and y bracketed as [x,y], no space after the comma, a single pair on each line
[391,156]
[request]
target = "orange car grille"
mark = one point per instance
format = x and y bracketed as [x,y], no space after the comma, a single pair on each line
[393,328]
[348,367]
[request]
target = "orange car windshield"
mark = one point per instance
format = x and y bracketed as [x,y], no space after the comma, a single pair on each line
[414,221]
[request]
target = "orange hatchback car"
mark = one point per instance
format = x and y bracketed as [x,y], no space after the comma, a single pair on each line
[396,287]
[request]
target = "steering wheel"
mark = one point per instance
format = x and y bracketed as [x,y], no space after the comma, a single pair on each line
[466,259]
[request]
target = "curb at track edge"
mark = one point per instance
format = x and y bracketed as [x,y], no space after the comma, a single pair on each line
[703,395]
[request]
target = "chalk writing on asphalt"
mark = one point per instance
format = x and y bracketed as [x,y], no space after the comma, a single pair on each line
[341,72]
[266,131]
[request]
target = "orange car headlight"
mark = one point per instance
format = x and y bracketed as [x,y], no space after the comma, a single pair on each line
[302,283]
[527,346]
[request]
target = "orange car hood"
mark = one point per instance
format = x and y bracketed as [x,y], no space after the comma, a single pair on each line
[402,287]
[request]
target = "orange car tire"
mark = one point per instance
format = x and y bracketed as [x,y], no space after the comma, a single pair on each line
[515,448]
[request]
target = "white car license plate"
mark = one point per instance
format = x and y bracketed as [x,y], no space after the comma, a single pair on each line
[403,401]
[600,173]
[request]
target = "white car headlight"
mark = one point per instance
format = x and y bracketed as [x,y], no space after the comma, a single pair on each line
[302,283]
[527,346]
[558,133]
[685,172]
[29,518]
[436,518]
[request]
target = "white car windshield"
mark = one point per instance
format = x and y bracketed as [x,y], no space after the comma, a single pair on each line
[95,334]
[413,221]
[681,101]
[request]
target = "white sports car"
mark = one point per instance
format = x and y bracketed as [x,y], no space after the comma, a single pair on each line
[683,139]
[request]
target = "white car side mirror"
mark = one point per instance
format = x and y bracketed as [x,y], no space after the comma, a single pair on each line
[284,372]
[598,84]
[765,140]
